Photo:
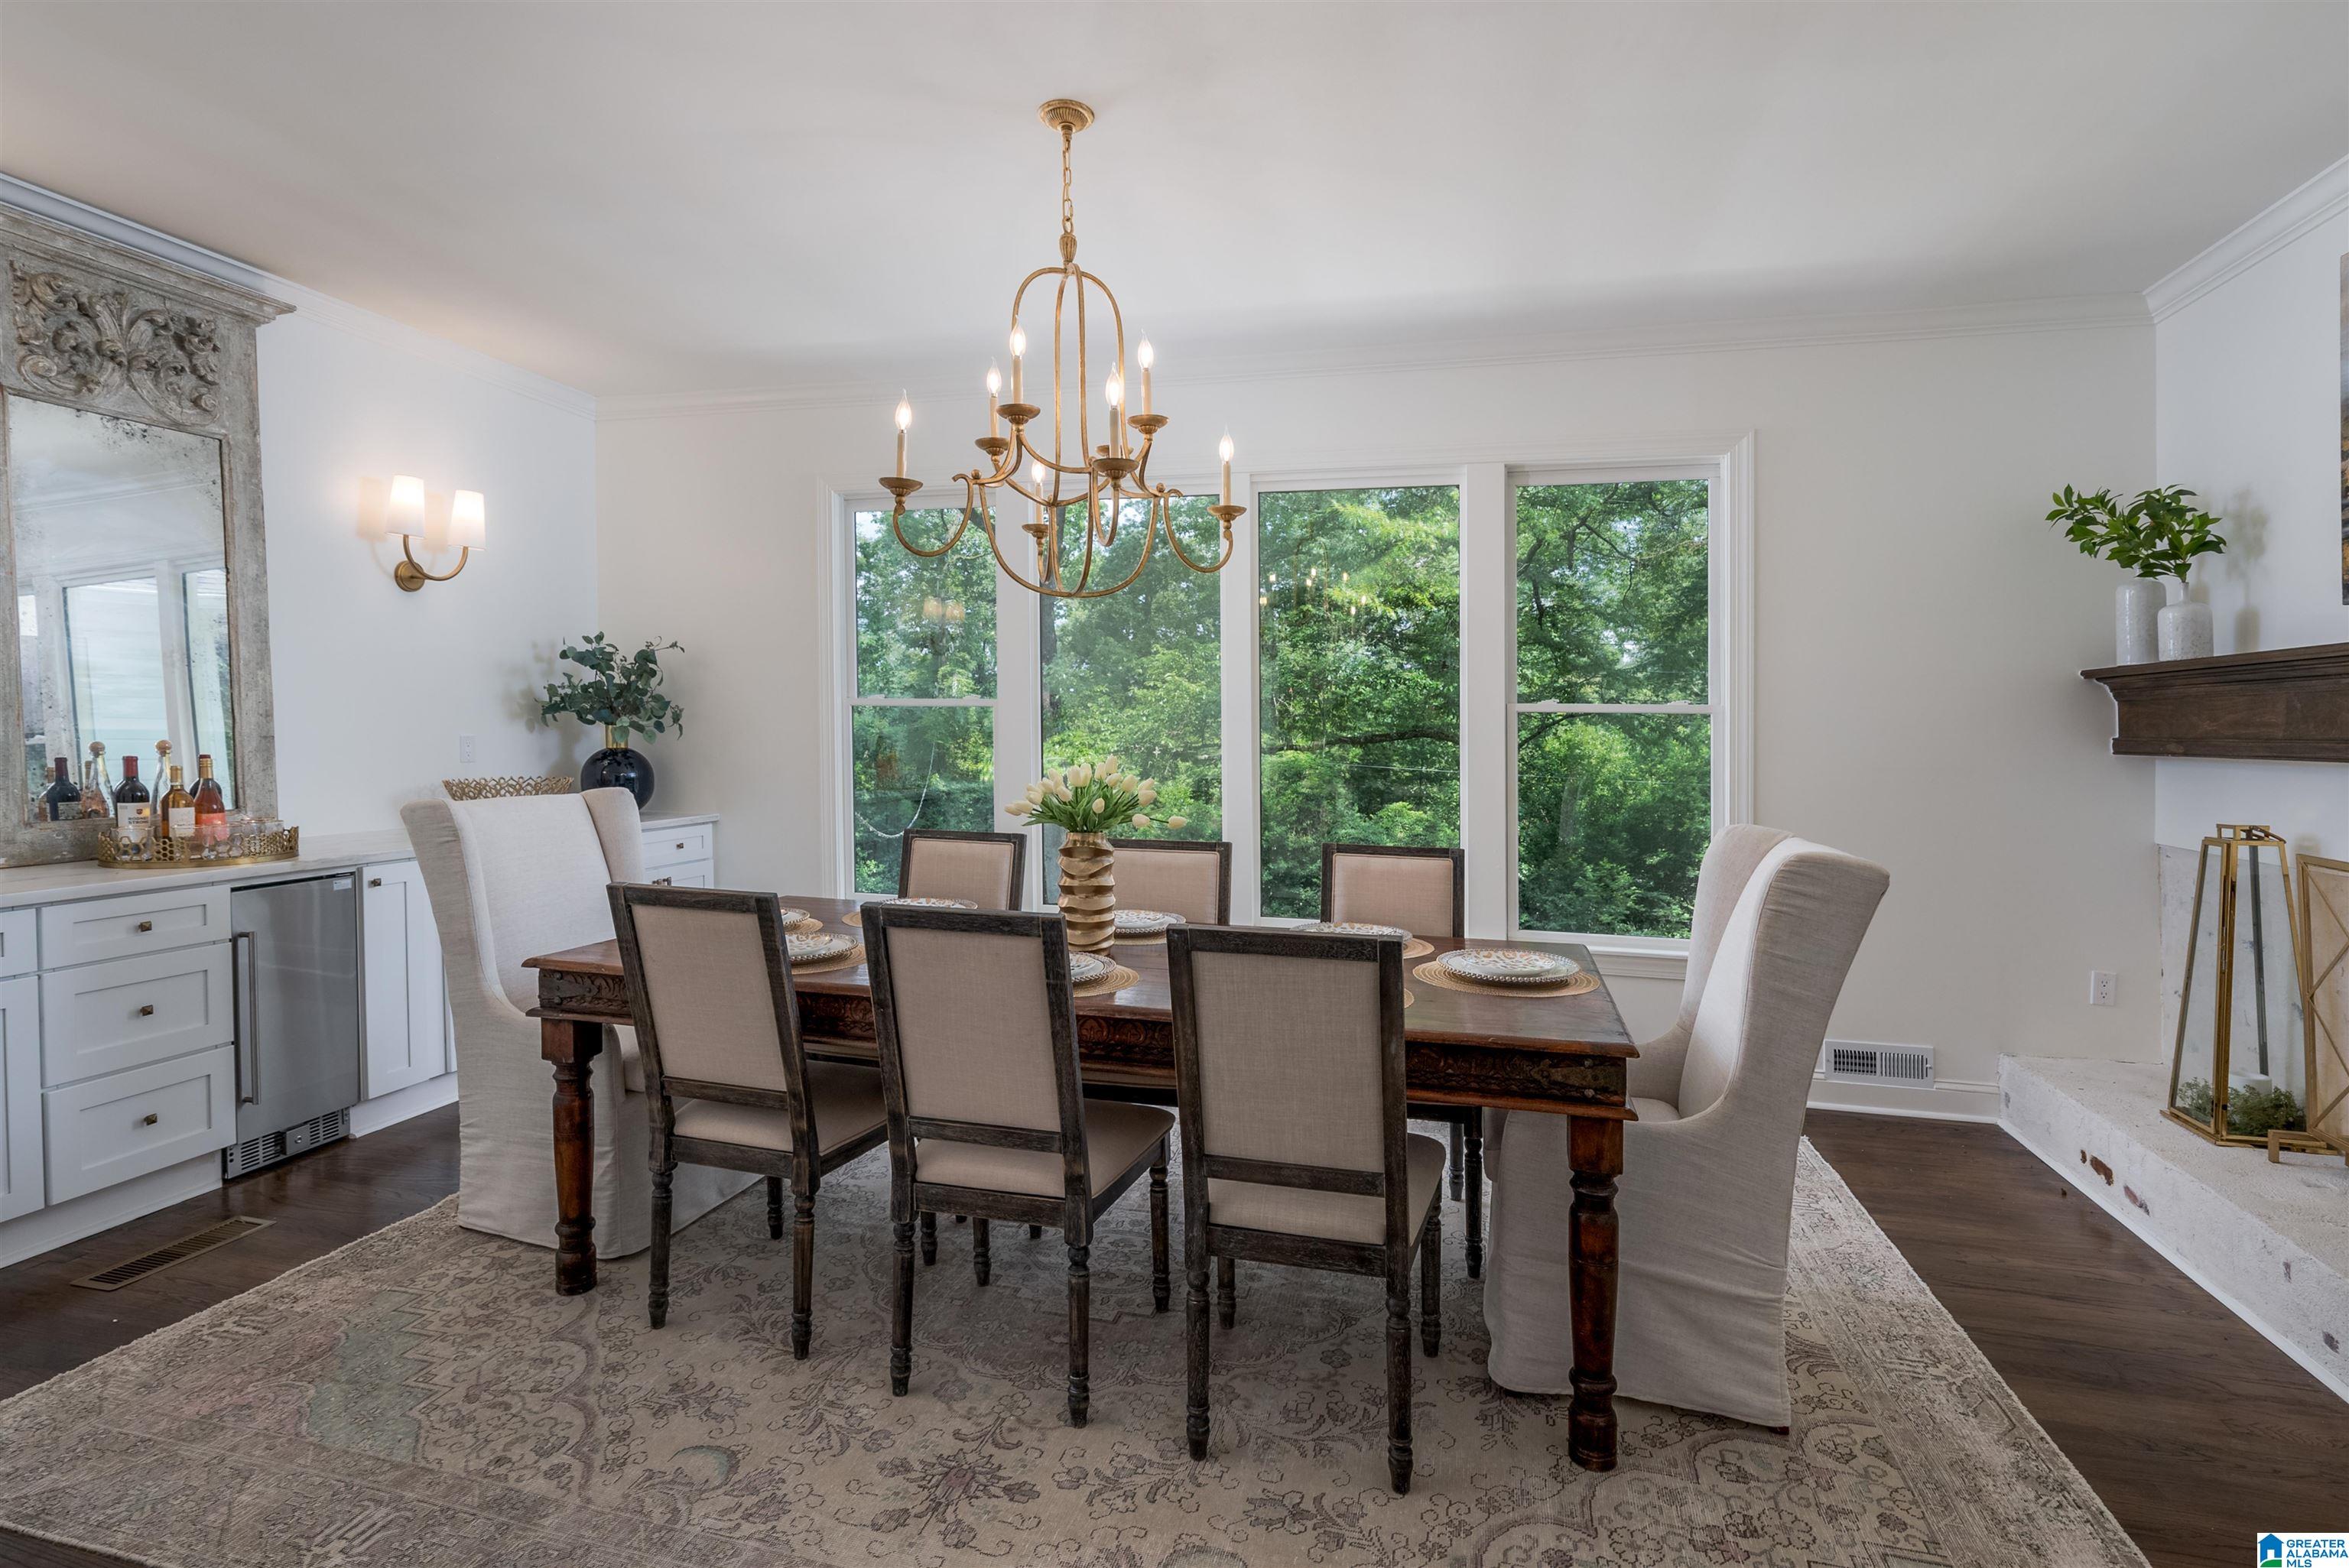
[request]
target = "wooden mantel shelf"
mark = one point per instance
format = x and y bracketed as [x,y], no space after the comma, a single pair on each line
[2288,704]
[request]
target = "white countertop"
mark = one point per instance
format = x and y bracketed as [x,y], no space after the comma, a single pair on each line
[24,886]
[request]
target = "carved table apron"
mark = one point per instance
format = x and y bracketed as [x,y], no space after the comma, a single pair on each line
[1568,1055]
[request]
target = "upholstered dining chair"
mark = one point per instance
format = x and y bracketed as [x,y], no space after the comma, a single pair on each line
[987,1115]
[509,878]
[1180,876]
[727,1077]
[1706,1198]
[1289,1061]
[985,868]
[1424,891]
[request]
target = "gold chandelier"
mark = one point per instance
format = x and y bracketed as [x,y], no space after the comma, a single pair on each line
[1095,487]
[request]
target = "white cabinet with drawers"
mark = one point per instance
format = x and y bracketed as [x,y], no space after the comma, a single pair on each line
[405,1018]
[89,930]
[128,1012]
[129,1123]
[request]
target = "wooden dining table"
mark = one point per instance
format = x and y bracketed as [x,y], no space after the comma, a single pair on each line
[1566,1055]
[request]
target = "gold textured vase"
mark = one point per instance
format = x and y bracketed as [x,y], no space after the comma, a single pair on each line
[1089,891]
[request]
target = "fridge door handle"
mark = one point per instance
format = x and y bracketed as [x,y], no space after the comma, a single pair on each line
[242,947]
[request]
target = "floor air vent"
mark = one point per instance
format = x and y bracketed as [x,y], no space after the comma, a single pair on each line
[253,1153]
[132,1270]
[1879,1063]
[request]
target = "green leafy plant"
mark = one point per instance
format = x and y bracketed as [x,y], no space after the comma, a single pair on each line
[2159,534]
[622,690]
[2251,1112]
[1091,798]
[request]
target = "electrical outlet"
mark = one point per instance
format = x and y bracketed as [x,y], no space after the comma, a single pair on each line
[2100,988]
[465,751]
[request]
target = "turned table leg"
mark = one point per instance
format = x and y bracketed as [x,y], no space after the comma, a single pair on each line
[572,1048]
[1596,1152]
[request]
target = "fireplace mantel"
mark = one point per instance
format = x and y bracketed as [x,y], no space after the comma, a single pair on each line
[2287,705]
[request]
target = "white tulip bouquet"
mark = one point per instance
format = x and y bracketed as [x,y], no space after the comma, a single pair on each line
[1091,798]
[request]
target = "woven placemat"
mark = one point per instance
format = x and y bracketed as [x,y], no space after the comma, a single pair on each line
[1416,948]
[1437,974]
[848,960]
[807,927]
[1117,979]
[853,917]
[1155,939]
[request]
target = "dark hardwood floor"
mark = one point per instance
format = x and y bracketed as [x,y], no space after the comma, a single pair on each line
[2194,1431]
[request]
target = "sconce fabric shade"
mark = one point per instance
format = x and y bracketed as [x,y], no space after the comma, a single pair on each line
[468,521]
[403,512]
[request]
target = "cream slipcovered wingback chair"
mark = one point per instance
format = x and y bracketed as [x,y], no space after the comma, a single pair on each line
[1707,1192]
[510,879]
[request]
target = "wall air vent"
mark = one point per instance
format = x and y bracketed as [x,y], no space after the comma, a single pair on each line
[1853,1062]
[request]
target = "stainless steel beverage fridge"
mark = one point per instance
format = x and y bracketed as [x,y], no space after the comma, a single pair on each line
[296,968]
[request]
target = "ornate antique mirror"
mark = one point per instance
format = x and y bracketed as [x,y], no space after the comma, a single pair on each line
[131,495]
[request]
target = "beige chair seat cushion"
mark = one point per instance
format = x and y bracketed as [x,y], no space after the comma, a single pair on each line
[1654,1109]
[847,1106]
[1116,1137]
[1340,1216]
[622,1042]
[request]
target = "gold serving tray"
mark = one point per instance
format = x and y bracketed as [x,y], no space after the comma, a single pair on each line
[285,845]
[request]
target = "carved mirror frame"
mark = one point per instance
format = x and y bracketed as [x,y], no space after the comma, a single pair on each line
[97,326]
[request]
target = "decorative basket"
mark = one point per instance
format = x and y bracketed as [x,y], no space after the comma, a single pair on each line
[178,854]
[498,788]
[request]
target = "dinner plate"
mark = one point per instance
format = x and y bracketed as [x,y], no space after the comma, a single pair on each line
[1143,921]
[1510,965]
[1084,966]
[790,916]
[817,945]
[935,902]
[1354,928]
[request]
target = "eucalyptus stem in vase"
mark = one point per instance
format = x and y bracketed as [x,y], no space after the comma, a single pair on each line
[622,693]
[1089,800]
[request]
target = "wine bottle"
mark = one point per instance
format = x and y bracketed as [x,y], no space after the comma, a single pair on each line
[212,807]
[175,814]
[134,809]
[62,801]
[97,788]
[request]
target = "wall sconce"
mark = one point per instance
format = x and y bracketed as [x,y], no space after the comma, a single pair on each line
[467,526]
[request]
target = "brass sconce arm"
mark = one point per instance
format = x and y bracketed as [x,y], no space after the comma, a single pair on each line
[412,577]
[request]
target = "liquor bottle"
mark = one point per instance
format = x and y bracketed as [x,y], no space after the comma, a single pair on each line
[134,810]
[61,802]
[212,807]
[175,814]
[97,788]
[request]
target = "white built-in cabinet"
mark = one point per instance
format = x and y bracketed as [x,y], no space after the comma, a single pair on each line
[20,1095]
[406,1012]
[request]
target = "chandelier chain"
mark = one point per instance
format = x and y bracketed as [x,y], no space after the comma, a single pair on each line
[1068,200]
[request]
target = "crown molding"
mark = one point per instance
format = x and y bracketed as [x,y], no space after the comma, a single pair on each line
[2320,201]
[64,211]
[2080,313]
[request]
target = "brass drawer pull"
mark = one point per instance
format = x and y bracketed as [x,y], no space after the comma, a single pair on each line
[150,1119]
[680,843]
[661,882]
[146,926]
[147,1011]
[375,881]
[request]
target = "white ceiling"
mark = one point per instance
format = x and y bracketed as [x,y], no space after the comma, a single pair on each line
[662,197]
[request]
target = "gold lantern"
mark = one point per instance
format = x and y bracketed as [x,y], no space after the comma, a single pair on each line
[2325,987]
[2240,1070]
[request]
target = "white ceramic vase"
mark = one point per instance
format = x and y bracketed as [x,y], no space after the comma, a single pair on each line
[2182,630]
[2136,605]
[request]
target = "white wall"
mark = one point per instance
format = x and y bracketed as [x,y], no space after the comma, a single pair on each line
[1920,631]
[2248,392]
[373,685]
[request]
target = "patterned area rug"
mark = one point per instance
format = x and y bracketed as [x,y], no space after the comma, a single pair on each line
[423,1398]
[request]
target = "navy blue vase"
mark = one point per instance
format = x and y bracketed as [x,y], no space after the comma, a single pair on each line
[619,767]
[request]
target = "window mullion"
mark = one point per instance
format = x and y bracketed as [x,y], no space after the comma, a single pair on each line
[1487,689]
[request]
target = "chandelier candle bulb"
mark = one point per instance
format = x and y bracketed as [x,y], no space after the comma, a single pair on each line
[1144,357]
[994,386]
[904,420]
[1019,352]
[1223,450]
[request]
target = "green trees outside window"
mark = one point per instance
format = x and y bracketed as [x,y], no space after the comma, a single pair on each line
[922,725]
[1614,717]
[1359,609]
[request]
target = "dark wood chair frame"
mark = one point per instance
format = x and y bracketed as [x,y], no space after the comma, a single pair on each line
[1219,847]
[802,1167]
[1077,1207]
[1464,1170]
[1388,1259]
[1018,843]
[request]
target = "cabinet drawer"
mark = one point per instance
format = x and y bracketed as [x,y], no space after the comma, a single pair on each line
[675,846]
[127,1124]
[93,930]
[19,946]
[685,873]
[104,1018]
